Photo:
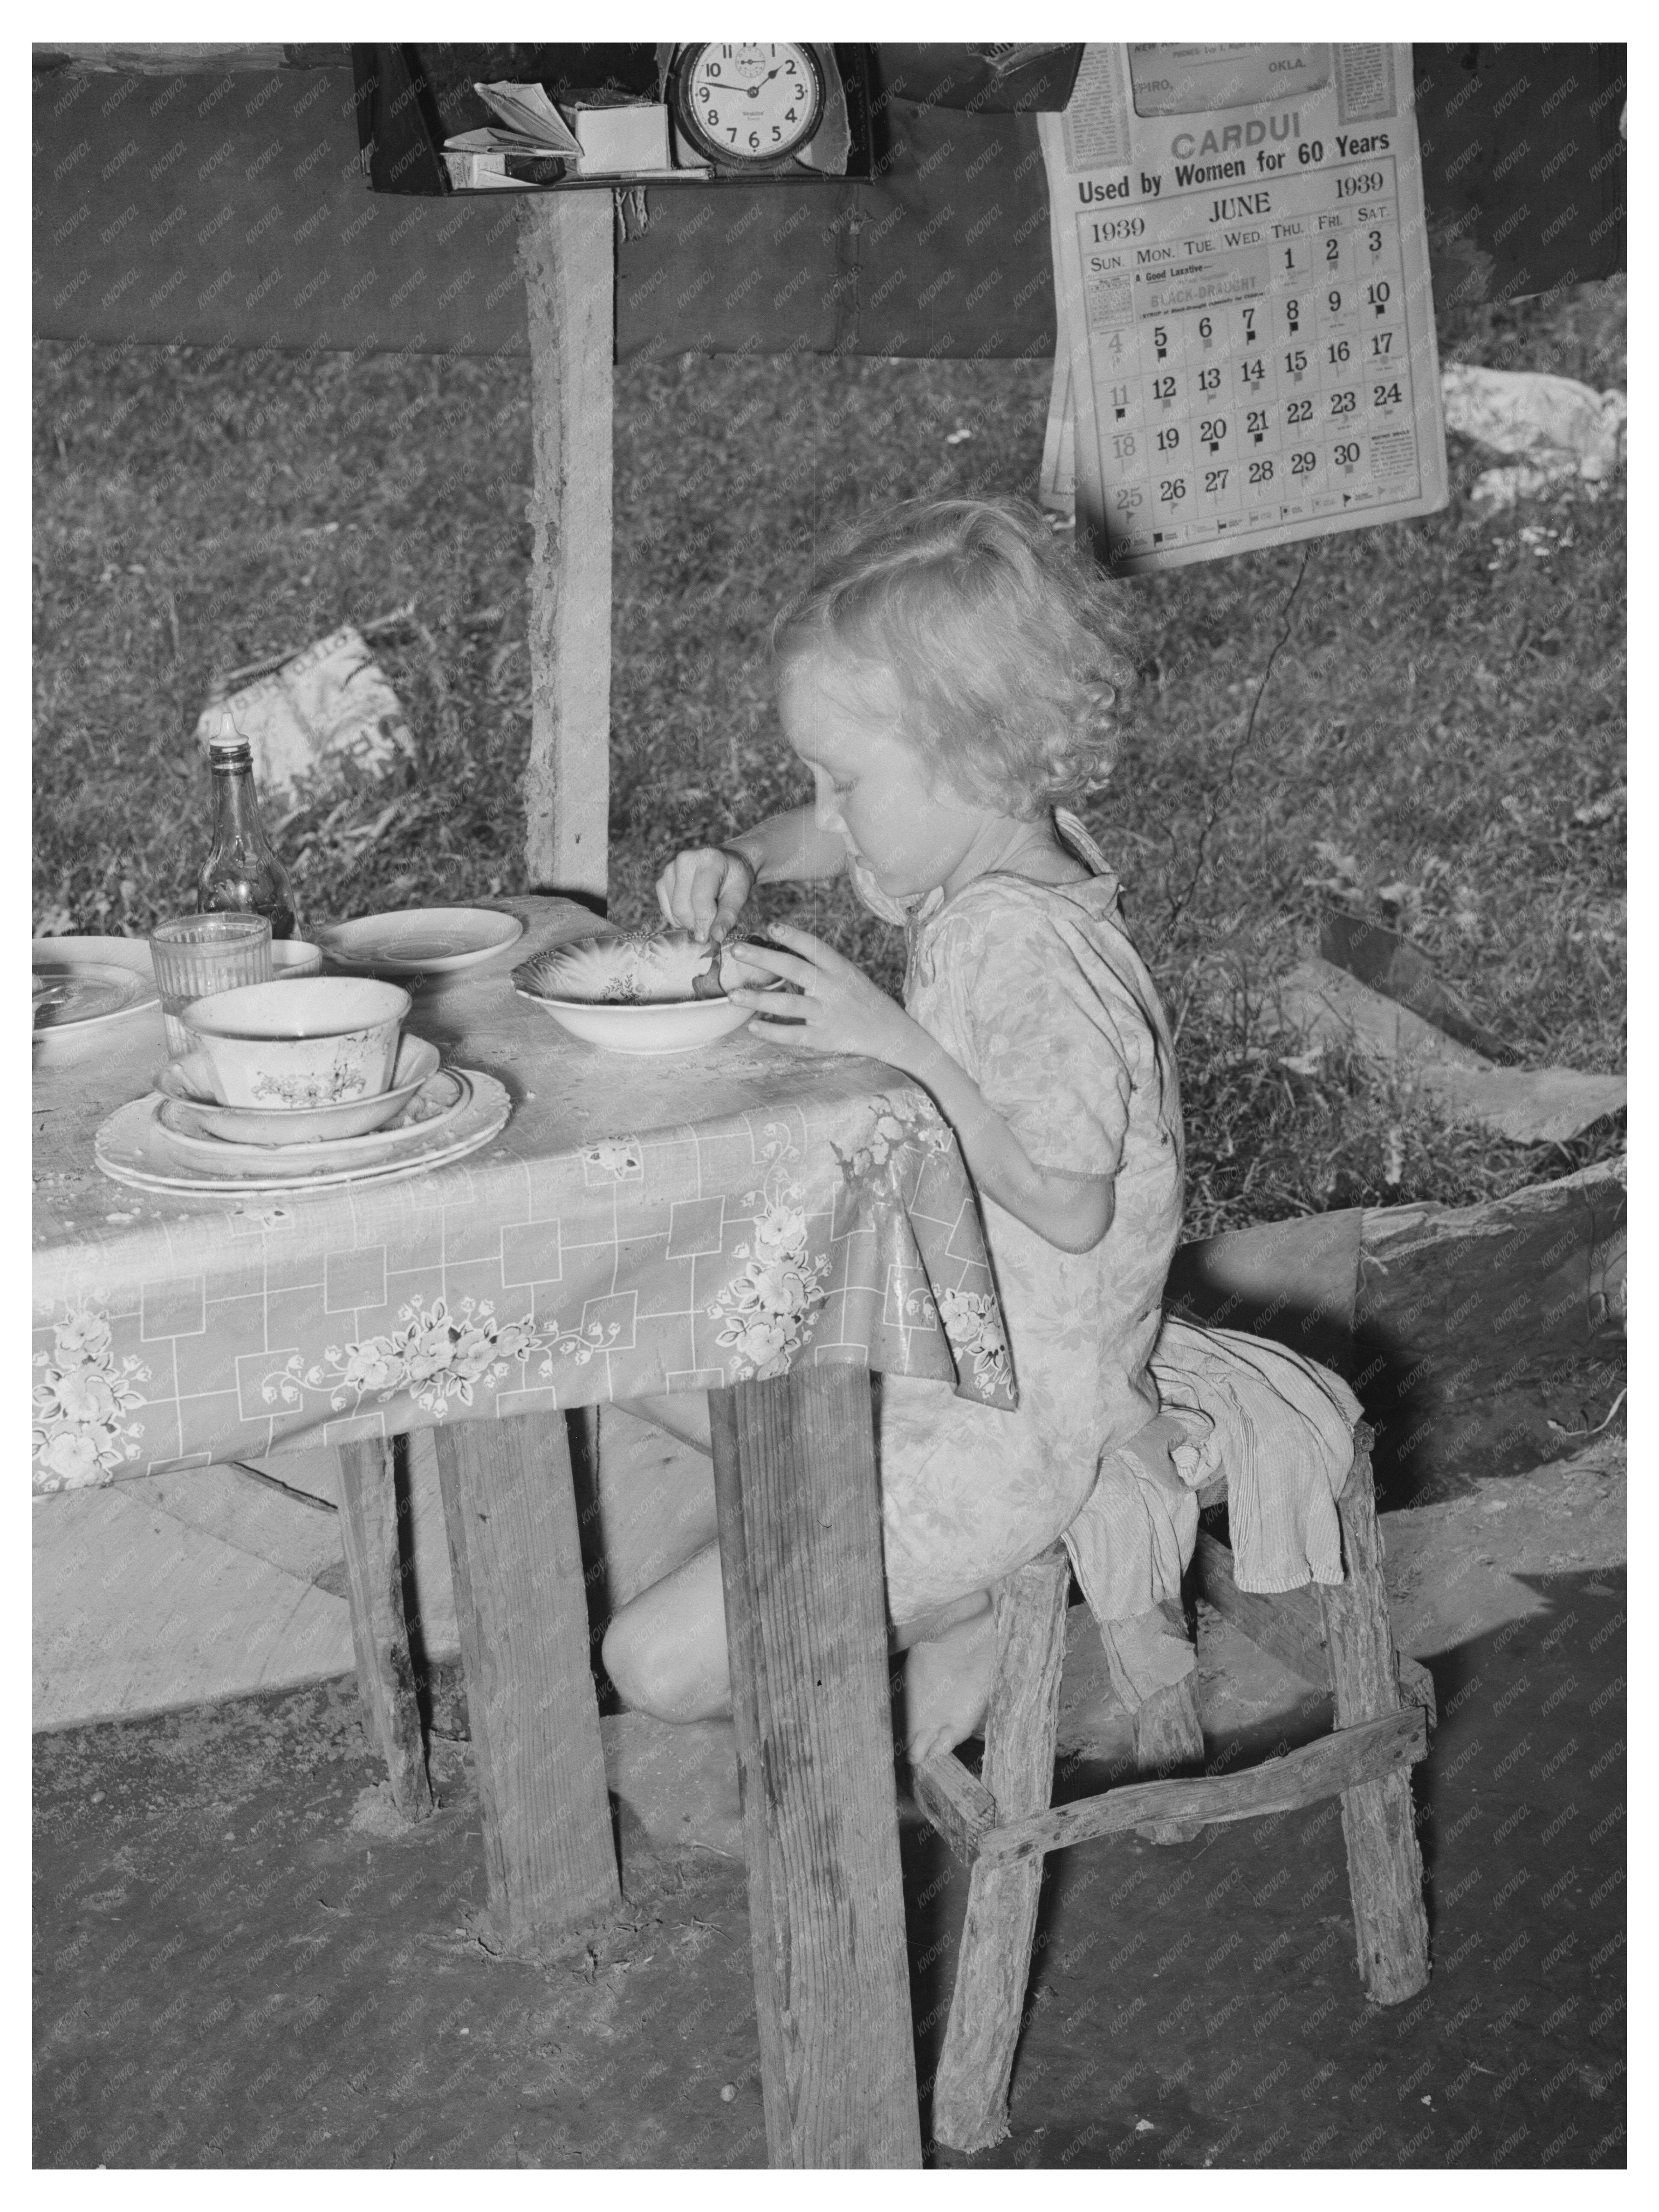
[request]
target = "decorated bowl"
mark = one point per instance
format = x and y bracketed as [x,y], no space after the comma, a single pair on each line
[288,1044]
[653,991]
[185,1085]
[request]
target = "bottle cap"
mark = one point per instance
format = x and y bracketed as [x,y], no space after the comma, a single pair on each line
[220,729]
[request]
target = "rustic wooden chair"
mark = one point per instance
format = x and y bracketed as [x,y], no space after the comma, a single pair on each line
[1002,1823]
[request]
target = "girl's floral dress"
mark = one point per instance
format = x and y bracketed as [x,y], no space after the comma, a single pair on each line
[1037,991]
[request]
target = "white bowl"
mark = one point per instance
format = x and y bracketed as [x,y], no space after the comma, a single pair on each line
[292,959]
[681,1026]
[291,1044]
[634,991]
[417,1060]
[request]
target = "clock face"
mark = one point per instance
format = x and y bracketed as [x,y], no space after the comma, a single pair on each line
[748,107]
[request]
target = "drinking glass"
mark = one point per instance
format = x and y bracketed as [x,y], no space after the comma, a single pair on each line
[200,954]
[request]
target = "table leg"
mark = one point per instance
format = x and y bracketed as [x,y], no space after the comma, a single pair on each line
[380,1631]
[521,1608]
[806,1620]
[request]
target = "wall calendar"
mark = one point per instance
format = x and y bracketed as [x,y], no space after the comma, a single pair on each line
[1247,339]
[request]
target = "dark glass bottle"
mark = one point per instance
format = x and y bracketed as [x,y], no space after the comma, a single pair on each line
[241,874]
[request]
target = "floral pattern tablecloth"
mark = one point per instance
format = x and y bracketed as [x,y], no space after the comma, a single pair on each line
[640,1226]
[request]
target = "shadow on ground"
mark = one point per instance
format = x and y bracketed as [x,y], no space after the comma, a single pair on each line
[243,1959]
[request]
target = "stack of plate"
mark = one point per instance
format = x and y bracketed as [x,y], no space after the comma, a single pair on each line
[84,988]
[168,1141]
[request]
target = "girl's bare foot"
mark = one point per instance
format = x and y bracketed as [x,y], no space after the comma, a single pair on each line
[947,1686]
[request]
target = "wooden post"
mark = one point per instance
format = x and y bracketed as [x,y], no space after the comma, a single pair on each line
[379,1630]
[806,1621]
[993,1962]
[522,1607]
[1385,1868]
[567,253]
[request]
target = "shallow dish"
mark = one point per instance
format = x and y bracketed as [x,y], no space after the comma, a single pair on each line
[681,1028]
[635,993]
[612,967]
[437,1101]
[431,940]
[86,1000]
[132,1147]
[292,1044]
[200,1114]
[75,990]
[67,1038]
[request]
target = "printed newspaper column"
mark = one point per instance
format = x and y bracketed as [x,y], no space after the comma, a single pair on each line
[1241,272]
[1057,487]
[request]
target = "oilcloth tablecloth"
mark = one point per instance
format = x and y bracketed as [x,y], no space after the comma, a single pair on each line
[640,1226]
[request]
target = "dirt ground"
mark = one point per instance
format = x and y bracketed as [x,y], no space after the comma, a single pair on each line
[243,1959]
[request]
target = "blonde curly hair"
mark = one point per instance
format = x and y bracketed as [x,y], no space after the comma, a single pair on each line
[1013,657]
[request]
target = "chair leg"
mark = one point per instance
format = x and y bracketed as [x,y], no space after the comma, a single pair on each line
[1385,1868]
[970,2088]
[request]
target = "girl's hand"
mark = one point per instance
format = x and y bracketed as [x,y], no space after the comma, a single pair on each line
[705,889]
[841,1011]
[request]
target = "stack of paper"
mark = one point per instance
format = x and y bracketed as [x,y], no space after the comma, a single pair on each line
[534,142]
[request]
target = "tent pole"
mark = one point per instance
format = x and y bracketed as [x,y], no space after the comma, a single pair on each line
[567,254]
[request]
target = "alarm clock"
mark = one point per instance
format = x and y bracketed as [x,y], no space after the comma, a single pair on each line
[747,107]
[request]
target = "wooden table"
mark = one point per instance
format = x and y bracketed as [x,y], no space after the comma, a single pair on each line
[800,1545]
[194,1328]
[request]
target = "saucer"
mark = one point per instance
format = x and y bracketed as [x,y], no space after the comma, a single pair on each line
[94,983]
[437,1101]
[132,1147]
[291,1127]
[432,940]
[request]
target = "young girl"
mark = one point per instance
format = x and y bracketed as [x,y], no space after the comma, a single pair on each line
[951,680]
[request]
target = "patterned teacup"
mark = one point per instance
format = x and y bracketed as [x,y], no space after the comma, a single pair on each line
[309,1042]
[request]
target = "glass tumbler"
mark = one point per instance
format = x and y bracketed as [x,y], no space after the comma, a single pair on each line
[200,954]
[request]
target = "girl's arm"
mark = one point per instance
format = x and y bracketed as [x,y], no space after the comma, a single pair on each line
[705,889]
[843,1011]
[1071,1212]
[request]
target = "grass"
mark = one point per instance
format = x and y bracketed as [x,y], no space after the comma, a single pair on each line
[1439,743]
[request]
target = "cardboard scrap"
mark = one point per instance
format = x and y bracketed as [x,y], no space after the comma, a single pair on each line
[1296,1281]
[1529,1105]
[328,704]
[1393,965]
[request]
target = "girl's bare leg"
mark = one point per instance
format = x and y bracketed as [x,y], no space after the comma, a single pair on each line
[948,1677]
[665,1650]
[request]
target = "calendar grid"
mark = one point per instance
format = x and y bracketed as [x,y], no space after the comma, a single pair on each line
[1251,360]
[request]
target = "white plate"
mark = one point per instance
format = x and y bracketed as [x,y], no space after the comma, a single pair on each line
[132,1148]
[438,1101]
[98,978]
[430,940]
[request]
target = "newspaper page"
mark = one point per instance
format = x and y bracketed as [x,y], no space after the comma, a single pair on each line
[1242,284]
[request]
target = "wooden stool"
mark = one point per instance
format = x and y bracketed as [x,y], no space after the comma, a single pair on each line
[1002,1823]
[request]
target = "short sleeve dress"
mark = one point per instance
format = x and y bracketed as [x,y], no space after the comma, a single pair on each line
[1037,991]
